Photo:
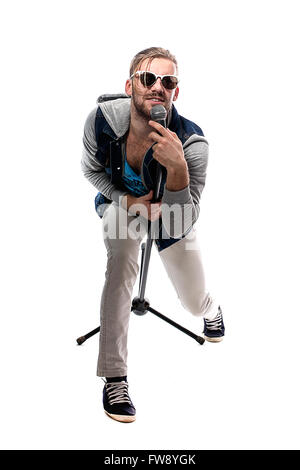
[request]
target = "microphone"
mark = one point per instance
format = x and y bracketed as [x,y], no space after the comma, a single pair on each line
[158,114]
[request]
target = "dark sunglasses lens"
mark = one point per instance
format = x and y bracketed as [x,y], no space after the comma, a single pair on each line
[170,82]
[147,78]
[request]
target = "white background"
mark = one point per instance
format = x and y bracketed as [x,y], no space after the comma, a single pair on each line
[239,69]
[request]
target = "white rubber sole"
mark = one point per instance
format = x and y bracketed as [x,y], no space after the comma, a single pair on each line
[121,418]
[213,340]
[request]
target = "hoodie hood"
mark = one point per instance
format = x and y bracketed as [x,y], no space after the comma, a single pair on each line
[116,110]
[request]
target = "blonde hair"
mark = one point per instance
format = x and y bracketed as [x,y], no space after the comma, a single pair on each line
[151,53]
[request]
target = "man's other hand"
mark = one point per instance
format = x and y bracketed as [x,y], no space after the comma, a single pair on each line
[142,206]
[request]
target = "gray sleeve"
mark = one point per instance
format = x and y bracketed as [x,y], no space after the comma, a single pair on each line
[92,169]
[180,209]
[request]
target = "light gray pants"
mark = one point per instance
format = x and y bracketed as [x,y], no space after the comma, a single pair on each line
[182,261]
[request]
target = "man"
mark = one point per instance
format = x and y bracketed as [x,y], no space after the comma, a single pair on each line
[120,143]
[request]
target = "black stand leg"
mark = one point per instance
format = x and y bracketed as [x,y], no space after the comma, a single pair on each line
[141,307]
[199,339]
[82,339]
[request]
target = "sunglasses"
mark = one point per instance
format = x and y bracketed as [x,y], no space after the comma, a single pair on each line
[148,79]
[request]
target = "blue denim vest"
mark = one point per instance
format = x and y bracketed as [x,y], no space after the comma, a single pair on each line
[111,155]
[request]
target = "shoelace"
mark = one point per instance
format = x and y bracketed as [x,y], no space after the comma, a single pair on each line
[216,323]
[117,392]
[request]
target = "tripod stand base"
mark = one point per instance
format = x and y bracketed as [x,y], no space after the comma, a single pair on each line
[141,307]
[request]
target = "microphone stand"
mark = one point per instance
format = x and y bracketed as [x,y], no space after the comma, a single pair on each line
[141,305]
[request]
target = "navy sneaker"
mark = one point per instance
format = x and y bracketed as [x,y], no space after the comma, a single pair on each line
[214,330]
[117,403]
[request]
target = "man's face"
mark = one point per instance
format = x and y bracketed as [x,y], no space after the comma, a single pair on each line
[143,97]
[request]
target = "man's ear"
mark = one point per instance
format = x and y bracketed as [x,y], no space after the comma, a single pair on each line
[128,87]
[176,94]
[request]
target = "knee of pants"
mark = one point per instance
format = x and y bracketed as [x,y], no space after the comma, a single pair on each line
[124,264]
[198,304]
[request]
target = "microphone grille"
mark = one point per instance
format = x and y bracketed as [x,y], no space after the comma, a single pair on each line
[158,112]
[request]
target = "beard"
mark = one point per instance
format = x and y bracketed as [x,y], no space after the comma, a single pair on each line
[138,102]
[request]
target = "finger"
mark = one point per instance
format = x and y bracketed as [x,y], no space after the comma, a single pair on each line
[155,137]
[161,129]
[148,195]
[155,211]
[173,134]
[154,217]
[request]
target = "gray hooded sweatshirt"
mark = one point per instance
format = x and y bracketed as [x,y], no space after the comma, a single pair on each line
[117,114]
